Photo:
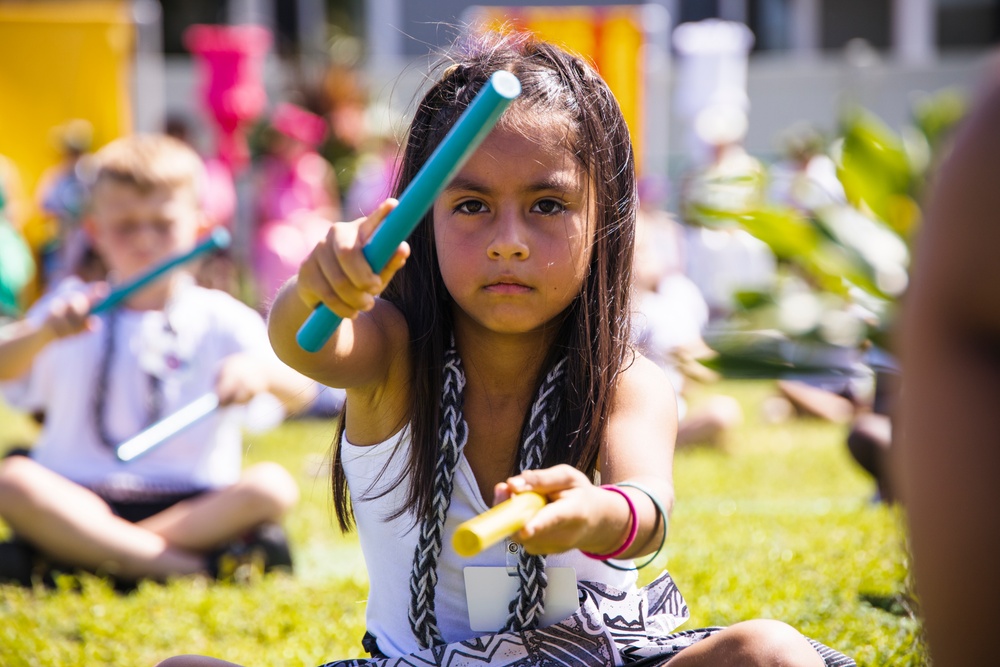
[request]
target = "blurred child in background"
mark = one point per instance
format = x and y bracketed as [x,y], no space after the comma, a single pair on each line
[297,199]
[61,195]
[101,379]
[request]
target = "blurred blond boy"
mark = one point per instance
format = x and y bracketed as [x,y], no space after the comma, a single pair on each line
[100,380]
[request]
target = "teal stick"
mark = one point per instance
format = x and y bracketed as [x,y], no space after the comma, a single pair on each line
[219,238]
[455,149]
[167,427]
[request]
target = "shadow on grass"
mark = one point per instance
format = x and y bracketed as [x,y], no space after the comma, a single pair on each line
[897,604]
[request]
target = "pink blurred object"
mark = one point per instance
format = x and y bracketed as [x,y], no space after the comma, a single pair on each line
[281,246]
[295,122]
[231,59]
[218,198]
[294,209]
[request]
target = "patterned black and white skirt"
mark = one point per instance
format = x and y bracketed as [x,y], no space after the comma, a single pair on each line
[611,628]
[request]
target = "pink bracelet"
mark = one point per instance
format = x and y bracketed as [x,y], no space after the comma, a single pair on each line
[632,531]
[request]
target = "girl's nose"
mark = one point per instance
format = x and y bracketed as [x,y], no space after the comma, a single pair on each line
[508,241]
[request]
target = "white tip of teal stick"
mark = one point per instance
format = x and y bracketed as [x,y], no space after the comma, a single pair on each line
[221,238]
[506,84]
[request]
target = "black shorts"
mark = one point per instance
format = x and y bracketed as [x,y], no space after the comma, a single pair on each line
[136,511]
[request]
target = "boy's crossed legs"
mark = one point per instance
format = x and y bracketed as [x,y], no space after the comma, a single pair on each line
[74,526]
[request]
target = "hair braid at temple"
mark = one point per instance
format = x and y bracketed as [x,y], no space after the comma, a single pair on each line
[453,435]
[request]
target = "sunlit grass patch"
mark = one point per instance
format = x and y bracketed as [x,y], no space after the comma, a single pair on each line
[779,525]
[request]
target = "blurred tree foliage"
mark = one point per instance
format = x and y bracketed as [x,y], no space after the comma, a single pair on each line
[844,260]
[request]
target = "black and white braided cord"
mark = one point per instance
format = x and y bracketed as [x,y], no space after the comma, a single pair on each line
[452,436]
[525,610]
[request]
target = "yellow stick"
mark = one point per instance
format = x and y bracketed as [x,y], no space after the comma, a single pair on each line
[497,523]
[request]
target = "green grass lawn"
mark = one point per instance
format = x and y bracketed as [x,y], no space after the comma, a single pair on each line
[779,526]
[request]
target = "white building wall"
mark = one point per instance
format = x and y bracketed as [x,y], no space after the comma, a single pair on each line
[914,30]
[782,91]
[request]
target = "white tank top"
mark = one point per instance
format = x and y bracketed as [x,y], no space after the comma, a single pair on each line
[388,546]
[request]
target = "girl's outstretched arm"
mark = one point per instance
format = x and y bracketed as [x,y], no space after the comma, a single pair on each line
[337,274]
[639,448]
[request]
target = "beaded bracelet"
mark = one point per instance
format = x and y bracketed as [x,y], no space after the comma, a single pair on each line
[660,512]
[632,531]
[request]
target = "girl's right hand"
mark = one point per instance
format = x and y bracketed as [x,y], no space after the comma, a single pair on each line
[337,274]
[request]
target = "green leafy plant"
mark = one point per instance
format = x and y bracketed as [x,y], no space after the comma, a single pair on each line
[843,265]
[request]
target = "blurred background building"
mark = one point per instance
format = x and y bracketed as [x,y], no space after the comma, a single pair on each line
[808,59]
[746,115]
[807,56]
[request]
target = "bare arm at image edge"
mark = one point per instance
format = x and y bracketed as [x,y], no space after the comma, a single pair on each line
[949,454]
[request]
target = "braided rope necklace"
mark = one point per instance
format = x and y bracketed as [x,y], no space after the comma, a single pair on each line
[525,611]
[154,394]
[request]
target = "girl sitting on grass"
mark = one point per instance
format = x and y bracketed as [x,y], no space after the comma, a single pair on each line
[497,361]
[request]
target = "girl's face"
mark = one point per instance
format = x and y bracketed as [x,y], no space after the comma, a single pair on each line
[134,231]
[514,231]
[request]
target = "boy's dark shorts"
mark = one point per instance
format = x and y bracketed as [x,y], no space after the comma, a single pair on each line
[136,511]
[132,510]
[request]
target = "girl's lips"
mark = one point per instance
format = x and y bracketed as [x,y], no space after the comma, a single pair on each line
[505,287]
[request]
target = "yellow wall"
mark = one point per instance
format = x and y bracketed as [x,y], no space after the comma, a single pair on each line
[610,37]
[60,60]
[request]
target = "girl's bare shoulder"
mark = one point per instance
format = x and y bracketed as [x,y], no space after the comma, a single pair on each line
[644,383]
[379,402]
[642,427]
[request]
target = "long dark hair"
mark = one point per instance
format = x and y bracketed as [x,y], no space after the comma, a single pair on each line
[594,336]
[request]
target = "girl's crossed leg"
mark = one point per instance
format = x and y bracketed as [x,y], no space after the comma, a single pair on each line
[759,643]
[751,644]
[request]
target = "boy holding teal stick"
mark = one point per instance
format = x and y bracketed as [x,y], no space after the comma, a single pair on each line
[102,374]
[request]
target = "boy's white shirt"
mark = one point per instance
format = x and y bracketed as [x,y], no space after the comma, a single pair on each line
[210,325]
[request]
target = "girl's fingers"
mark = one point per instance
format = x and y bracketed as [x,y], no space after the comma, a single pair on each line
[346,290]
[566,519]
[501,492]
[312,284]
[338,275]
[354,262]
[396,262]
[548,481]
[557,527]
[371,223]
[347,242]
[322,280]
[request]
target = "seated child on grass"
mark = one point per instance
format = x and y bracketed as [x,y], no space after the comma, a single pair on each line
[101,379]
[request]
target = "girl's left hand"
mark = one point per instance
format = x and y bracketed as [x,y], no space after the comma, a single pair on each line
[579,515]
[241,377]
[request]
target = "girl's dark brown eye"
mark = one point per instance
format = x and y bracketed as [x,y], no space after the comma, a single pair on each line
[549,207]
[470,206]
